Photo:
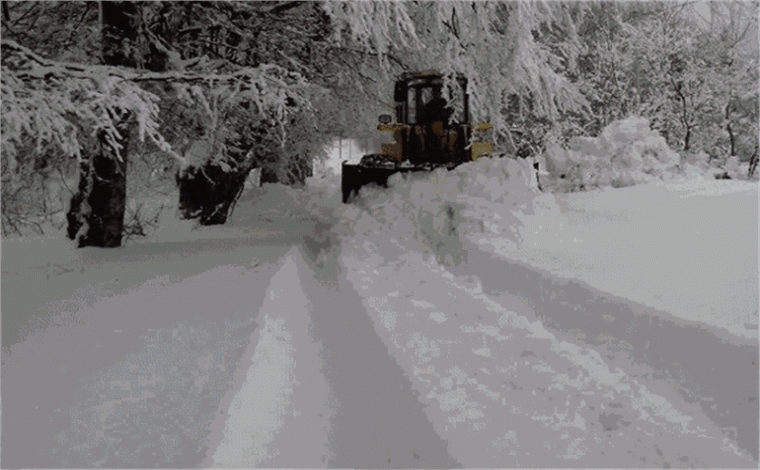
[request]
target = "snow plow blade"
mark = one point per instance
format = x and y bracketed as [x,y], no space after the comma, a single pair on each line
[353,177]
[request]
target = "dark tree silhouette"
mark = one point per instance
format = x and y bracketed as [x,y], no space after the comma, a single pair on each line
[96,215]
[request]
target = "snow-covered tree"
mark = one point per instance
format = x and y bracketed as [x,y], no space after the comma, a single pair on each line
[220,88]
[694,77]
[237,134]
[84,110]
[96,215]
[231,79]
[55,108]
[211,54]
[496,45]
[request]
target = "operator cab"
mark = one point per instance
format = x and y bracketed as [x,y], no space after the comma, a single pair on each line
[434,131]
[420,101]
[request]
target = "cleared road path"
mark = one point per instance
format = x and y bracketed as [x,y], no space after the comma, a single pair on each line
[318,387]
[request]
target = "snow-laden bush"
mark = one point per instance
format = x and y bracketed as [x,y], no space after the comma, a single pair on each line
[701,165]
[432,211]
[627,152]
[733,168]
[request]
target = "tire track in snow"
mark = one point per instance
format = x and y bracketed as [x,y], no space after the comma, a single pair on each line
[318,387]
[379,421]
[484,369]
[277,412]
[708,365]
[135,379]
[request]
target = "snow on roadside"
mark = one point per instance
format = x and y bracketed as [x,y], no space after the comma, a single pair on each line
[626,152]
[504,391]
[498,386]
[688,247]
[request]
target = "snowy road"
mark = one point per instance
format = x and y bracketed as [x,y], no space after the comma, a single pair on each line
[301,363]
[506,391]
[293,341]
[690,355]
[286,372]
[129,372]
[281,394]
[321,389]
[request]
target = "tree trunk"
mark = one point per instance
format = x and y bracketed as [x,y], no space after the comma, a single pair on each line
[209,193]
[731,138]
[96,215]
[103,185]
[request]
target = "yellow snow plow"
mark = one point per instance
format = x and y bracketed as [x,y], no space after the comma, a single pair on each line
[426,132]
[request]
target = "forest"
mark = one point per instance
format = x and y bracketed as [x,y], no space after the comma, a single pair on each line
[105,102]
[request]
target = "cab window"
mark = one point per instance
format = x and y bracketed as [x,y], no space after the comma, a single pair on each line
[411,105]
[425,105]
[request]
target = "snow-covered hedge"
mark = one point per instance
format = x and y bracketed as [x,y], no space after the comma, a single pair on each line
[734,169]
[627,152]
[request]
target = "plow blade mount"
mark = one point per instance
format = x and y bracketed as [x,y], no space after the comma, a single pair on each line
[353,177]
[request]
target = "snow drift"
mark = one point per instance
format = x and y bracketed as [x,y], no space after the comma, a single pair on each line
[667,245]
[437,210]
[627,152]
[497,384]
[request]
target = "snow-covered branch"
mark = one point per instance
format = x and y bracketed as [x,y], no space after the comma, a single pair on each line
[493,44]
[49,100]
[30,65]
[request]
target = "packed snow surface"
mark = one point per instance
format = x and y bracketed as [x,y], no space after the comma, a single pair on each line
[688,248]
[227,346]
[502,388]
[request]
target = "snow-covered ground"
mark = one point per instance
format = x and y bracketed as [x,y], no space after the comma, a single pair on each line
[472,354]
[686,247]
[689,249]
[404,330]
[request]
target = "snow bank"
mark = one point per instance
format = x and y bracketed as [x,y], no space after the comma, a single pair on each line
[732,168]
[627,152]
[436,210]
[686,247]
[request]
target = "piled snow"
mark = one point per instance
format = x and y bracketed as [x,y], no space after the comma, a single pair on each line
[504,391]
[627,152]
[431,210]
[688,248]
[734,169]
